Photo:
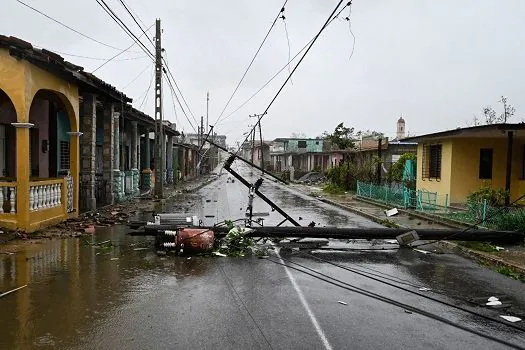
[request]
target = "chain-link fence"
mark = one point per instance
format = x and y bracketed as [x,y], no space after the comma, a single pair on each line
[402,196]
[475,213]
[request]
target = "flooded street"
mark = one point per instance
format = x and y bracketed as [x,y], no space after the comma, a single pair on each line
[125,296]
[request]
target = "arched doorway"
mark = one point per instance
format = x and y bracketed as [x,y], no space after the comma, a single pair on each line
[49,154]
[7,138]
[7,154]
[53,150]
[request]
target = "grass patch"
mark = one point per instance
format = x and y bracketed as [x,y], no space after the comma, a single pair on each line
[480,246]
[510,272]
[333,189]
[388,223]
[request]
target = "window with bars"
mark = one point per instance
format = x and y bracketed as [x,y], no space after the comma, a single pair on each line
[64,155]
[432,161]
[485,163]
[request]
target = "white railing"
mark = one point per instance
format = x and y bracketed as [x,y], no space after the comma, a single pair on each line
[8,197]
[45,194]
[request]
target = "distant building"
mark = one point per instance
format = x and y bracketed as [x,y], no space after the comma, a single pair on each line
[401,130]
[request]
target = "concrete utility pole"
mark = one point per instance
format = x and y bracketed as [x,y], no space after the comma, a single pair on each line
[262,146]
[379,155]
[160,145]
[207,111]
[201,142]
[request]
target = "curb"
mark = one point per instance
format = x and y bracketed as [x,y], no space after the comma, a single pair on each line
[481,256]
[354,210]
[437,219]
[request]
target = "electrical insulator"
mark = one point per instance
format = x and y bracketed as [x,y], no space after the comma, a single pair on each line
[170,233]
[170,245]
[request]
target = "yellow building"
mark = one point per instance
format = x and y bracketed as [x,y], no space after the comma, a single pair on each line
[40,129]
[457,162]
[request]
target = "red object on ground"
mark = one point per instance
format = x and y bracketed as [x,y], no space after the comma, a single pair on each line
[195,240]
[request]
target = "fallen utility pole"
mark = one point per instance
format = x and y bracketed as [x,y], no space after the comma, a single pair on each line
[245,160]
[346,233]
[255,189]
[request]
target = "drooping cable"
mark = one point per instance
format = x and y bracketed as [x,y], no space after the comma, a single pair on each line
[288,42]
[124,27]
[276,74]
[136,77]
[426,296]
[118,54]
[146,93]
[251,62]
[299,62]
[179,103]
[347,286]
[349,19]
[128,9]
[68,27]
[168,71]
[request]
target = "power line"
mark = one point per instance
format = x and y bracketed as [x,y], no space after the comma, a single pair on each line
[278,72]
[253,59]
[138,76]
[178,101]
[135,20]
[89,57]
[120,53]
[368,275]
[68,27]
[124,27]
[347,286]
[298,63]
[145,94]
[168,71]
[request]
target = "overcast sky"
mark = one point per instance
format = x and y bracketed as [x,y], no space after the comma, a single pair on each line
[436,63]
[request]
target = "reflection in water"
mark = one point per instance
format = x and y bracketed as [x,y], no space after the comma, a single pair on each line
[72,286]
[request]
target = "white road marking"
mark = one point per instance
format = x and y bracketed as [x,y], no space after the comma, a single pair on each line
[316,325]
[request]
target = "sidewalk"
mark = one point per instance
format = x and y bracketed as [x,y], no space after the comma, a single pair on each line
[510,261]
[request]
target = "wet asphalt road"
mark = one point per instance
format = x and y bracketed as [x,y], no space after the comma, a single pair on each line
[127,297]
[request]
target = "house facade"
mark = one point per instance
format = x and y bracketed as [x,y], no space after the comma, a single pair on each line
[69,142]
[457,162]
[303,154]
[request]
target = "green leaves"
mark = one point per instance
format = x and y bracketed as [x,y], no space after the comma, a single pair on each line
[342,137]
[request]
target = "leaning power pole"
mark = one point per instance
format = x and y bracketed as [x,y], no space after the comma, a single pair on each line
[160,143]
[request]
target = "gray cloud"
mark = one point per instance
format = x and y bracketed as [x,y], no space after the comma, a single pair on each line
[437,63]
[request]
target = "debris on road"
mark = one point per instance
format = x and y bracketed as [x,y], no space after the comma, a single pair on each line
[12,290]
[342,302]
[219,254]
[114,259]
[391,212]
[142,248]
[422,251]
[493,303]
[511,318]
[425,289]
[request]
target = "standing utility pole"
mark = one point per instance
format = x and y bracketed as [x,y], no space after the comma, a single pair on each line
[379,160]
[201,144]
[160,144]
[207,111]
[261,146]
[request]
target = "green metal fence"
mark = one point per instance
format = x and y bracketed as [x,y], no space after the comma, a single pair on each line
[402,196]
[478,213]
